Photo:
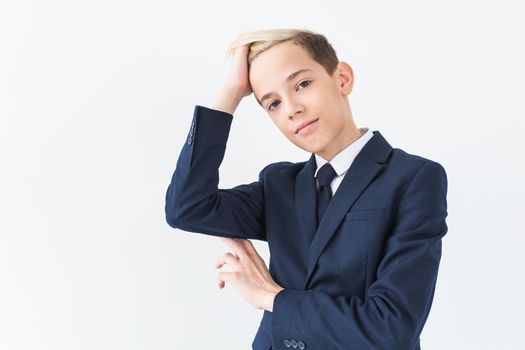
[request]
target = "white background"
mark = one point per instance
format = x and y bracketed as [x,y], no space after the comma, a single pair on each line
[96,100]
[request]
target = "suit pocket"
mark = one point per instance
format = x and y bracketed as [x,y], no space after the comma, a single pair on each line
[365,214]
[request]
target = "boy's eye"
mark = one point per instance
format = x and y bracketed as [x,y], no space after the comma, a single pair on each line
[304,81]
[270,105]
[300,84]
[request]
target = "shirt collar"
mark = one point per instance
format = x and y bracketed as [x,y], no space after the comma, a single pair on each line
[342,161]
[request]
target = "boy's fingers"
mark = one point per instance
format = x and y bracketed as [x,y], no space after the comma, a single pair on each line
[247,247]
[227,258]
[235,244]
[224,277]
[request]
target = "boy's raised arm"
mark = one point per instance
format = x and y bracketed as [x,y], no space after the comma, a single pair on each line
[193,200]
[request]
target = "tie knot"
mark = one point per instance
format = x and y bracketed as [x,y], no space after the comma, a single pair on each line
[326,174]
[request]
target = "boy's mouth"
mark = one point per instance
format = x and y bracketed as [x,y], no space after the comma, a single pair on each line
[305,126]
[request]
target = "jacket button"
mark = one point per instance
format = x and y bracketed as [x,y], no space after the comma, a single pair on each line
[287,343]
[301,345]
[294,344]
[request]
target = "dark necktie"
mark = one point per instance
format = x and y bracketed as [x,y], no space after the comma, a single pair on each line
[325,175]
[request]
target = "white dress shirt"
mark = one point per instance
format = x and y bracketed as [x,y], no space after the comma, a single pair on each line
[342,161]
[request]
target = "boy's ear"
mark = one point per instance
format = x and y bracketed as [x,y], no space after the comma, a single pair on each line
[345,76]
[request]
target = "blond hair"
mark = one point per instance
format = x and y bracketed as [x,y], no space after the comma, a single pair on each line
[316,45]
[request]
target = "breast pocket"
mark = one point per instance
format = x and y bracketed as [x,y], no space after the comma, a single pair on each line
[365,214]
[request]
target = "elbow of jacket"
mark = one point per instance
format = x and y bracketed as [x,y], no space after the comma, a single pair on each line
[176,216]
[172,220]
[172,209]
[172,216]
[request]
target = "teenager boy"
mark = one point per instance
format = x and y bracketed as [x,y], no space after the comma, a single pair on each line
[354,232]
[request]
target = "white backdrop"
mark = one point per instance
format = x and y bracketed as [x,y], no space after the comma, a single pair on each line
[96,100]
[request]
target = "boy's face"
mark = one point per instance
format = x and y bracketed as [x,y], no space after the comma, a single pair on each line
[310,96]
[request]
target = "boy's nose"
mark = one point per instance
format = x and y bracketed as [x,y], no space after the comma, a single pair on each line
[294,109]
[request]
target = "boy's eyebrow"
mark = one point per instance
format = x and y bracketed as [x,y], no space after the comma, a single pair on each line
[290,77]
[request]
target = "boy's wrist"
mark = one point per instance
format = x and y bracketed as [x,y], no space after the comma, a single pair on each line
[271,298]
[228,99]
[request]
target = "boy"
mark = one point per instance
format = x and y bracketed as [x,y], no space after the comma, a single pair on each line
[354,233]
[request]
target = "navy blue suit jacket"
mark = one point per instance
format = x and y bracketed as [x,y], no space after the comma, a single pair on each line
[367,281]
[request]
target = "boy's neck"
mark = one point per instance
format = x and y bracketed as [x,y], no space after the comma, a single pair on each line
[336,147]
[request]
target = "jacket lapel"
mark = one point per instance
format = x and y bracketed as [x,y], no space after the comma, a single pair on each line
[370,160]
[306,201]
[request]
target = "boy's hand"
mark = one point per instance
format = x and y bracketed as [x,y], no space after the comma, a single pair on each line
[238,76]
[237,84]
[249,275]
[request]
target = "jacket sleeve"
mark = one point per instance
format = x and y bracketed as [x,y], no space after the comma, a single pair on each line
[193,200]
[396,305]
